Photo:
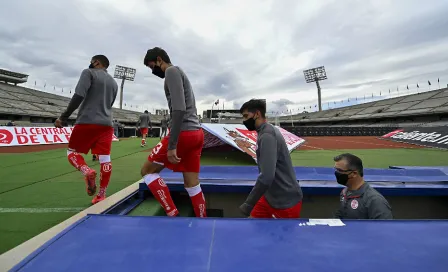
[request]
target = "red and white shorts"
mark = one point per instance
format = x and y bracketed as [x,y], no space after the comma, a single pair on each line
[144,131]
[86,137]
[263,210]
[189,150]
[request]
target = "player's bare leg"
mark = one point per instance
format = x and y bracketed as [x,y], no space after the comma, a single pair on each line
[150,173]
[105,174]
[191,184]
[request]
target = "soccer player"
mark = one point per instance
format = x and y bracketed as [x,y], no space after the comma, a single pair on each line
[276,193]
[116,127]
[95,92]
[143,123]
[180,151]
[164,125]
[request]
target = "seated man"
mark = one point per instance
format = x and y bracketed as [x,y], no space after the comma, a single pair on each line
[358,200]
[276,193]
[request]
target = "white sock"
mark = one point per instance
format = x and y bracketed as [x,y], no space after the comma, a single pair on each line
[149,178]
[192,191]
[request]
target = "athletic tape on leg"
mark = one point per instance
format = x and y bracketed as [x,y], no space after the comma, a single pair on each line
[192,191]
[149,178]
[104,158]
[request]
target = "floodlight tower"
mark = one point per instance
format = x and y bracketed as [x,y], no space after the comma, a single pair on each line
[315,75]
[124,73]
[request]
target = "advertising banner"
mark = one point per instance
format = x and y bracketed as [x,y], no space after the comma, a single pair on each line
[17,136]
[425,136]
[239,137]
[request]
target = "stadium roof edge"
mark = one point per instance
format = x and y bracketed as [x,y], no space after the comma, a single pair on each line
[12,77]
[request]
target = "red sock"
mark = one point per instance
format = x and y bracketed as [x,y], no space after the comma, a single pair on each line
[106,172]
[77,160]
[160,191]
[198,200]
[143,141]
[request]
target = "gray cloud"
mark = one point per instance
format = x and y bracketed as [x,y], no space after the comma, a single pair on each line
[366,47]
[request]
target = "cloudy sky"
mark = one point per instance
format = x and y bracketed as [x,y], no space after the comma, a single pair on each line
[234,50]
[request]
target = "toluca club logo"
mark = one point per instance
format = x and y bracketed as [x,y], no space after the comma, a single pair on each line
[107,167]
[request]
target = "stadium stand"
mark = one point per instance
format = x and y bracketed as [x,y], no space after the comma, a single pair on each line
[28,107]
[32,107]
[426,109]
[422,109]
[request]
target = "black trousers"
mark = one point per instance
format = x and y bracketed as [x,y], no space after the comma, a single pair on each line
[163,133]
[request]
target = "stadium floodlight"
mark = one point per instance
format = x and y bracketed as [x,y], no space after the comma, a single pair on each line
[315,75]
[124,73]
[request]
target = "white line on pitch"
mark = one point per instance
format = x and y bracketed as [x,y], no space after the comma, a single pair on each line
[309,146]
[40,210]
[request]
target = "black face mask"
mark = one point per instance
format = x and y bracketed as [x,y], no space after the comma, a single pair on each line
[341,178]
[92,65]
[157,71]
[250,124]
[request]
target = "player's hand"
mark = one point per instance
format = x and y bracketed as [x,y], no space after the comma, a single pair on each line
[58,123]
[246,209]
[172,156]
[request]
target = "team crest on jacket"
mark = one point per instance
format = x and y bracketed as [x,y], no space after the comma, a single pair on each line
[354,204]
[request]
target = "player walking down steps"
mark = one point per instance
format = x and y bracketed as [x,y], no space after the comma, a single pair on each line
[181,150]
[96,92]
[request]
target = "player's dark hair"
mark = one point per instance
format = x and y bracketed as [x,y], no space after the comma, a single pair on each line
[153,53]
[354,163]
[102,59]
[146,111]
[254,105]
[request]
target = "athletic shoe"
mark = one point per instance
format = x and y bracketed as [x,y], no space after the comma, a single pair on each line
[90,179]
[98,198]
